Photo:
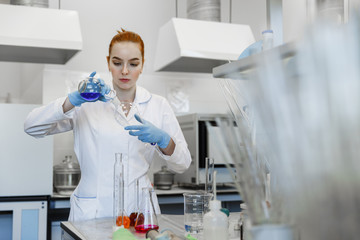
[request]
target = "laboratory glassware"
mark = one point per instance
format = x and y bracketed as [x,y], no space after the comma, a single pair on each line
[120,216]
[147,219]
[90,90]
[195,206]
[135,212]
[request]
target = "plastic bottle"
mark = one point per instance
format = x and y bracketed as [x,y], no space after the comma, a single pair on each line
[268,39]
[215,221]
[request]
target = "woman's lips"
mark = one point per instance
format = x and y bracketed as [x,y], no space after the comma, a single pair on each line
[124,80]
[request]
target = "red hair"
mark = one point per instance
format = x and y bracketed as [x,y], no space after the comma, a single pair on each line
[127,36]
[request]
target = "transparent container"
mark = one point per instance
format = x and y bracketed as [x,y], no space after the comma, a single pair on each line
[272,232]
[121,218]
[147,219]
[90,90]
[134,213]
[215,223]
[195,206]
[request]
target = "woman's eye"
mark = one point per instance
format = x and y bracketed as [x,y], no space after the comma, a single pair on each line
[134,64]
[117,63]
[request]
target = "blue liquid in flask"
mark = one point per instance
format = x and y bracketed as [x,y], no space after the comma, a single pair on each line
[90,96]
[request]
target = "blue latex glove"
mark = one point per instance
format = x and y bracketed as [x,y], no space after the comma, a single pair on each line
[76,99]
[105,89]
[147,132]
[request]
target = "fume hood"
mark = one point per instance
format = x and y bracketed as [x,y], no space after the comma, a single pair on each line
[186,45]
[38,35]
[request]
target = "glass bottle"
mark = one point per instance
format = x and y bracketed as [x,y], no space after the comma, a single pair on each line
[120,216]
[135,212]
[147,218]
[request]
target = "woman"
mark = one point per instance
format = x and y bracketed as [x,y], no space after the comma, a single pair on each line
[98,136]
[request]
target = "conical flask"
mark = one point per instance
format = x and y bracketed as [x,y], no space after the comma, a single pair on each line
[135,211]
[121,218]
[147,218]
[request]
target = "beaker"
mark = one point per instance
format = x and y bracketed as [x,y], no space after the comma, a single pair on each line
[120,216]
[147,219]
[135,211]
[90,90]
[195,206]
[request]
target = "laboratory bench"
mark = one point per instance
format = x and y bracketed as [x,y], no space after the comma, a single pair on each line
[171,203]
[102,228]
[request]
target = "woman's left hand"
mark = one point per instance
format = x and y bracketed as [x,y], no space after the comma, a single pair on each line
[148,133]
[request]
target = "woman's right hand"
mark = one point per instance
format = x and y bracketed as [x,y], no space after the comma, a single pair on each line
[76,99]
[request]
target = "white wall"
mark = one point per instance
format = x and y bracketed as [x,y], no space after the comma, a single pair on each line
[10,81]
[252,13]
[100,20]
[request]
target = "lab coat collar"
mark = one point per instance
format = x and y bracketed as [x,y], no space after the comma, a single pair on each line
[142,95]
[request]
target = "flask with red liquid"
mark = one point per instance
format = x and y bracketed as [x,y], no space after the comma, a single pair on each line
[146,219]
[120,216]
[135,212]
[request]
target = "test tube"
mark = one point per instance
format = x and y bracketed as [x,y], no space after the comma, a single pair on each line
[120,216]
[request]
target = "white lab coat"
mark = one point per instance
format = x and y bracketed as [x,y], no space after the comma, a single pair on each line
[97,137]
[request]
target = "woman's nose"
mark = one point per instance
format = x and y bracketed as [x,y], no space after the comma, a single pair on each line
[124,70]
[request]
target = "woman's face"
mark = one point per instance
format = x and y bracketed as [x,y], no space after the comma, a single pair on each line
[125,64]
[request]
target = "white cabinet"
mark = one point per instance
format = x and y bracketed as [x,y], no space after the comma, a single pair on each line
[23,219]
[26,162]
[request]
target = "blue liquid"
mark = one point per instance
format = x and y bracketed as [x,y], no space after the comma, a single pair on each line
[90,96]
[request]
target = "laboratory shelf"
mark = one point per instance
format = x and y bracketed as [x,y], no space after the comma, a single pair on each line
[241,68]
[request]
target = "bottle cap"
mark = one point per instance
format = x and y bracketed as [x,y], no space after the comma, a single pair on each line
[226,211]
[267,31]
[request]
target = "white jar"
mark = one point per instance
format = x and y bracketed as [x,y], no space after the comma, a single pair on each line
[215,223]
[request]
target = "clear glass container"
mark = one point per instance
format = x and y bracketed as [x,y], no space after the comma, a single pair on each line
[121,218]
[90,90]
[147,219]
[195,206]
[135,211]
